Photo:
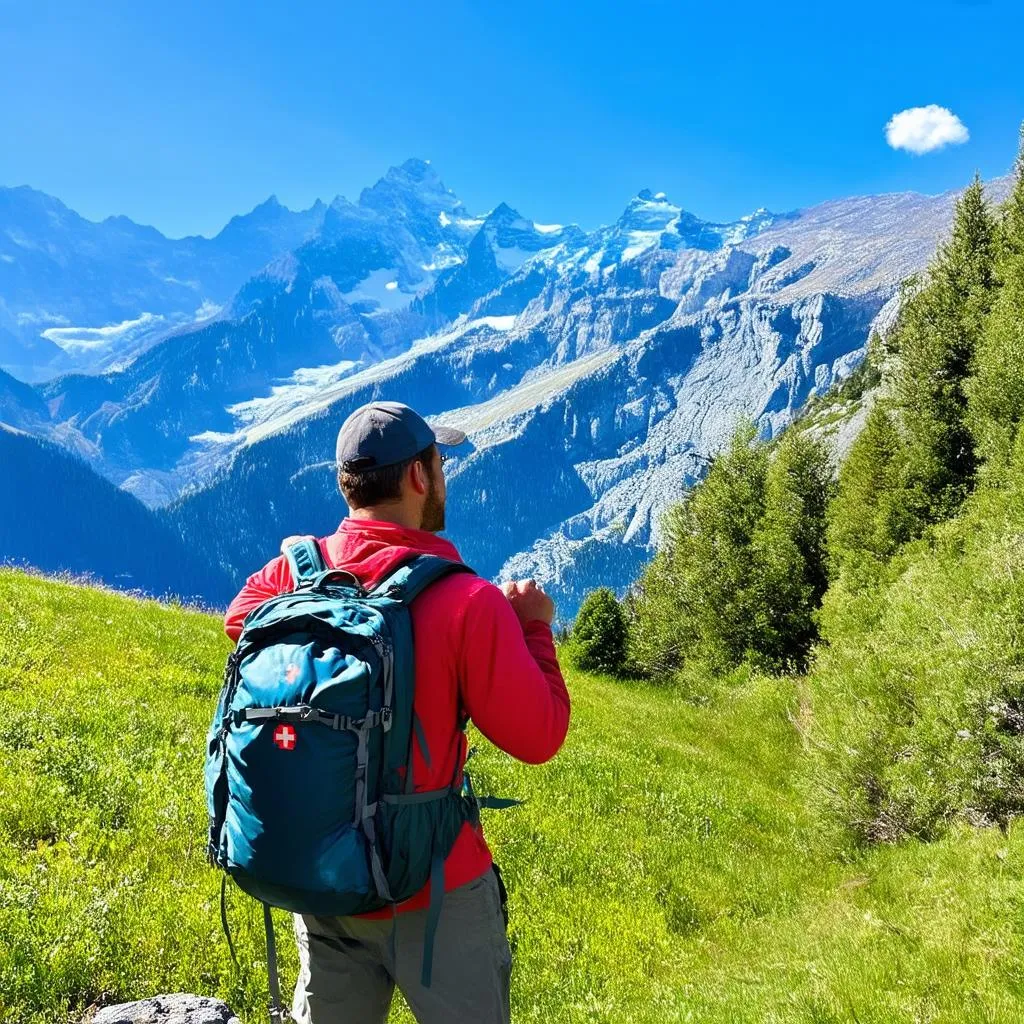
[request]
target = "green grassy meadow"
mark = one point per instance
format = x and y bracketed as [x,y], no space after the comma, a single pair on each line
[670,865]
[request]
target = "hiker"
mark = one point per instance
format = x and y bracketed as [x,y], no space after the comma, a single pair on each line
[481,653]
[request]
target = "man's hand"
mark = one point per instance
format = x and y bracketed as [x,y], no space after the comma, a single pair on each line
[528,601]
[288,541]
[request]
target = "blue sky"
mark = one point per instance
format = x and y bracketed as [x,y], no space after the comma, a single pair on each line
[180,115]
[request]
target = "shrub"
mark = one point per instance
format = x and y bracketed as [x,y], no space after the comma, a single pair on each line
[599,635]
[917,697]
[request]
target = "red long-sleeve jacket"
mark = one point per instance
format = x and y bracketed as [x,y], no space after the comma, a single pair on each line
[472,656]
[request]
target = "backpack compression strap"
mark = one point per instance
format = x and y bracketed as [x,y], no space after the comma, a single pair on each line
[305,561]
[404,585]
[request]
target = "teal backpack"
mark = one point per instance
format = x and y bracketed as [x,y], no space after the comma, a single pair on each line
[309,781]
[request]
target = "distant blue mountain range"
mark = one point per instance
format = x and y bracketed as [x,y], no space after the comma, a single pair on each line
[595,371]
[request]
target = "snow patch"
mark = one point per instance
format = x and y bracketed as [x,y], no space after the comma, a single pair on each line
[81,339]
[511,258]
[303,385]
[639,242]
[380,288]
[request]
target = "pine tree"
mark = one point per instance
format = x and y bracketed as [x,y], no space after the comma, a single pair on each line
[717,566]
[1011,241]
[695,600]
[936,335]
[872,513]
[996,390]
[790,574]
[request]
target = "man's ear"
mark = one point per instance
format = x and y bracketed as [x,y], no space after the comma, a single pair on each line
[418,477]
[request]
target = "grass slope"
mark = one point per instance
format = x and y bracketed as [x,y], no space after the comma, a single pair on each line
[667,867]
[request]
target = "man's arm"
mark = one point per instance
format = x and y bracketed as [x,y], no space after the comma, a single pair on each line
[512,686]
[273,579]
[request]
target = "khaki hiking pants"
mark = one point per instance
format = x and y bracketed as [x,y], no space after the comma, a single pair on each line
[349,966]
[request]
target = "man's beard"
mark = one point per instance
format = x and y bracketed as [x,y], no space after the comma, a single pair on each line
[433,509]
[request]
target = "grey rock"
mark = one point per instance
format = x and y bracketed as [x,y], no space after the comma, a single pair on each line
[179,1008]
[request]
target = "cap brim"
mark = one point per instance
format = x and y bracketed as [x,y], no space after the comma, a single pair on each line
[449,435]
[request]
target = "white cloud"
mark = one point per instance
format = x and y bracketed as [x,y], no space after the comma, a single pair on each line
[924,129]
[207,311]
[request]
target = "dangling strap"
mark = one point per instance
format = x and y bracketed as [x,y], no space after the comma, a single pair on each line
[393,937]
[305,561]
[224,918]
[277,1014]
[497,803]
[492,803]
[433,916]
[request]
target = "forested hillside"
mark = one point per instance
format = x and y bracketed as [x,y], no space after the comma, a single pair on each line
[59,516]
[889,586]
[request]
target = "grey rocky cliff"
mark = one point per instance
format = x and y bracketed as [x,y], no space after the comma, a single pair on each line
[597,403]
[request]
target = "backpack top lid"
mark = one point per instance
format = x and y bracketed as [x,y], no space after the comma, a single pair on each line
[405,582]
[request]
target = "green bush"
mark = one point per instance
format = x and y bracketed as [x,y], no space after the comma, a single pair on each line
[917,696]
[598,641]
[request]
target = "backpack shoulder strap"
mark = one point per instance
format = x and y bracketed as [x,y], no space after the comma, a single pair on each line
[305,561]
[411,578]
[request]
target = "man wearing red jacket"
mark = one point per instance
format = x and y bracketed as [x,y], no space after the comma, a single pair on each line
[480,652]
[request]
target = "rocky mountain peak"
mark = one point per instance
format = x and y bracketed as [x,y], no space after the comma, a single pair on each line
[412,187]
[649,211]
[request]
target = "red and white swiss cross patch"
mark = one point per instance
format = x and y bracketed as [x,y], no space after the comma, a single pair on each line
[285,736]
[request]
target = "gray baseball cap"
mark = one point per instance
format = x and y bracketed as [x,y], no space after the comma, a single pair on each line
[386,433]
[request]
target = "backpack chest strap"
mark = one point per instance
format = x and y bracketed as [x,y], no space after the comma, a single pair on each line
[304,713]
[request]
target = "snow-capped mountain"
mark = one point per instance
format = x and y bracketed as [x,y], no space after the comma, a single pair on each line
[80,295]
[595,396]
[375,276]
[595,372]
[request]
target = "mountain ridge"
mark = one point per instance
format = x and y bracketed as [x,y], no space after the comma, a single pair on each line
[617,359]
